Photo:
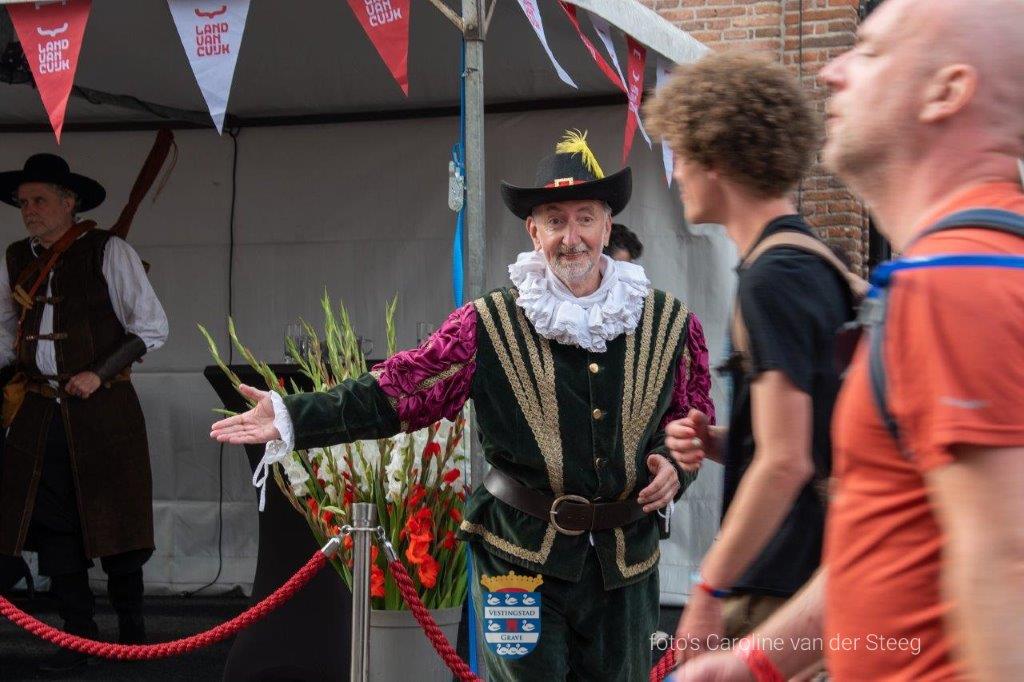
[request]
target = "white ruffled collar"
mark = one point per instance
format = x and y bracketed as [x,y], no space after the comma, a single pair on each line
[588,321]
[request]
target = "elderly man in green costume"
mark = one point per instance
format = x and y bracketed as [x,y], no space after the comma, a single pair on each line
[574,372]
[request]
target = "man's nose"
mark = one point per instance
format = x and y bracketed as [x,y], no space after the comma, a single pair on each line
[572,235]
[831,74]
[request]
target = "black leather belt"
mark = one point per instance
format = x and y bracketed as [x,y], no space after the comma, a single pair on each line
[569,514]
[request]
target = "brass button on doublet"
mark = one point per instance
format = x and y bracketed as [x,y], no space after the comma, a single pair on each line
[594,369]
[598,415]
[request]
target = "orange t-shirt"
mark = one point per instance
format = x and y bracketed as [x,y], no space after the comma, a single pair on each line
[954,352]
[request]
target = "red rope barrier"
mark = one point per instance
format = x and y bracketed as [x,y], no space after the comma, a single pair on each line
[664,666]
[437,639]
[177,647]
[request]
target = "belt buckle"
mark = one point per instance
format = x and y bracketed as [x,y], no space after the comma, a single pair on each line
[554,513]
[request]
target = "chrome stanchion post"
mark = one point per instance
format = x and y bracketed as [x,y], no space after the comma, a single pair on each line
[364,523]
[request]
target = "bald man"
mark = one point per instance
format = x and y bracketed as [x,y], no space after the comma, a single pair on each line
[923,573]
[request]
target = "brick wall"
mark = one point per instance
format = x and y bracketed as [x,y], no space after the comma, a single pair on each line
[804,39]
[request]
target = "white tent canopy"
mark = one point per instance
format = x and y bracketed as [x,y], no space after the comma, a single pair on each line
[310,58]
[338,181]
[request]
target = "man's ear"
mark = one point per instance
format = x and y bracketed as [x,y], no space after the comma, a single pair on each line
[531,229]
[950,90]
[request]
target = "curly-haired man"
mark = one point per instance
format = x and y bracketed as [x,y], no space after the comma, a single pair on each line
[744,134]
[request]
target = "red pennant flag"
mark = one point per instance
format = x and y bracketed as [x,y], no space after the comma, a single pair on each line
[386,22]
[51,36]
[606,69]
[635,90]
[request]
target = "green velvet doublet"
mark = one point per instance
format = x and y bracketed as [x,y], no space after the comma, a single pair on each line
[554,417]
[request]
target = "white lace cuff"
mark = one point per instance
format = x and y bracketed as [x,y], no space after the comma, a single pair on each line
[276,450]
[283,421]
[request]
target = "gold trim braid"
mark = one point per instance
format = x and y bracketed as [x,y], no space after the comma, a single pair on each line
[632,570]
[540,556]
[651,370]
[538,402]
[631,431]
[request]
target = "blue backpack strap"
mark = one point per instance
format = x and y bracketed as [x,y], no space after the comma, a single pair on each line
[981,218]
[976,218]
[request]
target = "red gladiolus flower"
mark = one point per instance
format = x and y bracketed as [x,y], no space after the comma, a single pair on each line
[327,516]
[348,498]
[449,540]
[280,382]
[418,493]
[451,476]
[427,572]
[376,582]
[419,531]
[418,550]
[455,514]
[314,508]
[432,449]
[347,542]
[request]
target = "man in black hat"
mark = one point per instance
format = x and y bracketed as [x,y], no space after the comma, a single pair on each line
[573,372]
[76,311]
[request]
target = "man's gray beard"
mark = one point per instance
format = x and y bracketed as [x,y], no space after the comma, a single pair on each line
[571,274]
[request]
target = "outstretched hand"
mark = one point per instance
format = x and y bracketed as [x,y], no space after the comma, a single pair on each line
[249,428]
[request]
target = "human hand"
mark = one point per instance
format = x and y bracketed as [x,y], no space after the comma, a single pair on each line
[83,384]
[249,428]
[689,440]
[701,626]
[718,666]
[662,488]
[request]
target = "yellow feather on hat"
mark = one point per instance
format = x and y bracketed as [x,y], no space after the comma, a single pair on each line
[575,142]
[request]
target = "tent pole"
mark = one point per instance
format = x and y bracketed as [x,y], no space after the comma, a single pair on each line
[474,32]
[473,20]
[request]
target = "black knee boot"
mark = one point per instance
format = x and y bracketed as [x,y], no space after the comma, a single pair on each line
[125,592]
[76,606]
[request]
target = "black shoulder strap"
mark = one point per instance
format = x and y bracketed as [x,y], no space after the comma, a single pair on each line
[993,219]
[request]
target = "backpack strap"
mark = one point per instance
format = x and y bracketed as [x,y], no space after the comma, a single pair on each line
[793,240]
[993,219]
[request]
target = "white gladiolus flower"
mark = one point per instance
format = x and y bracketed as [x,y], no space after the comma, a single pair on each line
[296,474]
[337,457]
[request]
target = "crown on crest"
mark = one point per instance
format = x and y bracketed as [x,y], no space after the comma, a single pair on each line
[512,581]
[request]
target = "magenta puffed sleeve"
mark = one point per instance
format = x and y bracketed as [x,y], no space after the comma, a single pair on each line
[692,389]
[433,381]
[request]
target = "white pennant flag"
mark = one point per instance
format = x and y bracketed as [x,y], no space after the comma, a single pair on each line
[604,32]
[532,13]
[663,72]
[211,33]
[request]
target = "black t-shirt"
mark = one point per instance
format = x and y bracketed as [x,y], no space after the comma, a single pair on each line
[793,303]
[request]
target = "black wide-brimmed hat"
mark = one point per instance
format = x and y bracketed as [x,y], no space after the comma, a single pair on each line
[570,174]
[54,170]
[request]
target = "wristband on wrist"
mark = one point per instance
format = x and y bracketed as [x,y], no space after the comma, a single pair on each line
[761,667]
[703,585]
